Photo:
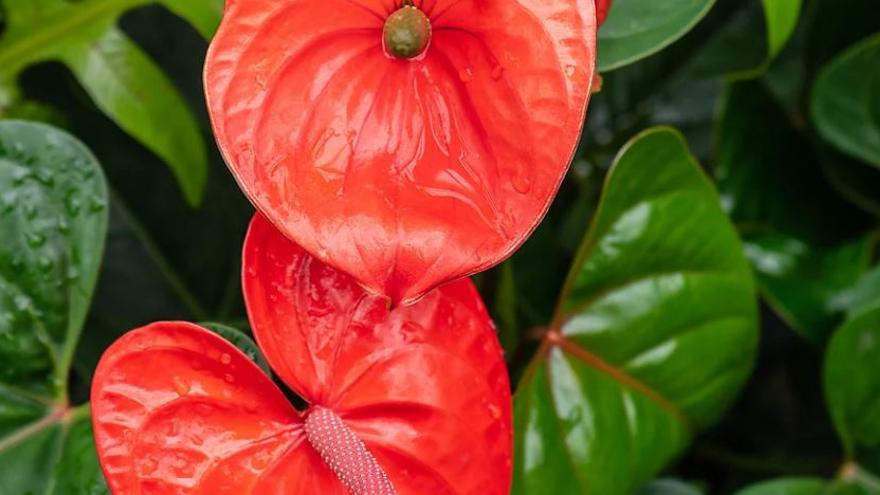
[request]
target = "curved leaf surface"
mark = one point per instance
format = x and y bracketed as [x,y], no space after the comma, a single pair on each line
[403,173]
[654,335]
[121,79]
[53,221]
[852,386]
[845,104]
[636,29]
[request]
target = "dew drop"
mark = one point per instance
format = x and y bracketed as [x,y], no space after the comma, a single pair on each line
[148,467]
[73,204]
[495,411]
[497,72]
[466,74]
[180,386]
[521,183]
[225,358]
[229,378]
[35,239]
[97,204]
[570,70]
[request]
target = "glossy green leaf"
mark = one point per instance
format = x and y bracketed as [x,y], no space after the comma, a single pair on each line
[852,386]
[752,39]
[241,340]
[845,105]
[636,29]
[805,243]
[121,79]
[805,283]
[53,221]
[655,332]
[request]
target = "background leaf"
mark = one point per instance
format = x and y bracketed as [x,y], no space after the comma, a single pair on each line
[806,244]
[53,221]
[121,79]
[733,50]
[654,334]
[845,106]
[852,386]
[638,28]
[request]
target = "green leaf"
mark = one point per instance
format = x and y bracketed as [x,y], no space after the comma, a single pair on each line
[844,104]
[809,486]
[788,486]
[804,283]
[241,340]
[852,386]
[636,29]
[753,38]
[668,487]
[655,331]
[124,83]
[53,221]
[805,243]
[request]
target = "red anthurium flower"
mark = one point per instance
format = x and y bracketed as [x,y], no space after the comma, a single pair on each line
[407,143]
[602,8]
[413,401]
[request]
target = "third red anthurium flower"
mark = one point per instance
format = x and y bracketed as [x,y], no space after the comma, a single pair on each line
[405,142]
[413,401]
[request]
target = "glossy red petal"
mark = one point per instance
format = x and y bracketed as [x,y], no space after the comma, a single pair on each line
[404,174]
[178,410]
[424,386]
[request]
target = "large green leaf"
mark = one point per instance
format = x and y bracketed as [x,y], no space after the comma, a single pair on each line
[802,486]
[805,243]
[53,220]
[121,79]
[636,29]
[852,386]
[668,487]
[752,39]
[654,334]
[845,105]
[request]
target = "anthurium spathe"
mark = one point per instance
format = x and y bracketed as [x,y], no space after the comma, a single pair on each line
[411,401]
[407,143]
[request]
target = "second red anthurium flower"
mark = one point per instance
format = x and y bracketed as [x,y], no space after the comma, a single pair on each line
[405,142]
[414,401]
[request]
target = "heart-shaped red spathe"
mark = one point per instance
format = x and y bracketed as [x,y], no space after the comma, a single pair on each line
[422,388]
[403,173]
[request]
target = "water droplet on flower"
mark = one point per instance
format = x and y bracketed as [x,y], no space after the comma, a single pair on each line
[495,411]
[225,358]
[570,70]
[466,74]
[180,386]
[497,72]
[229,378]
[521,183]
[148,466]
